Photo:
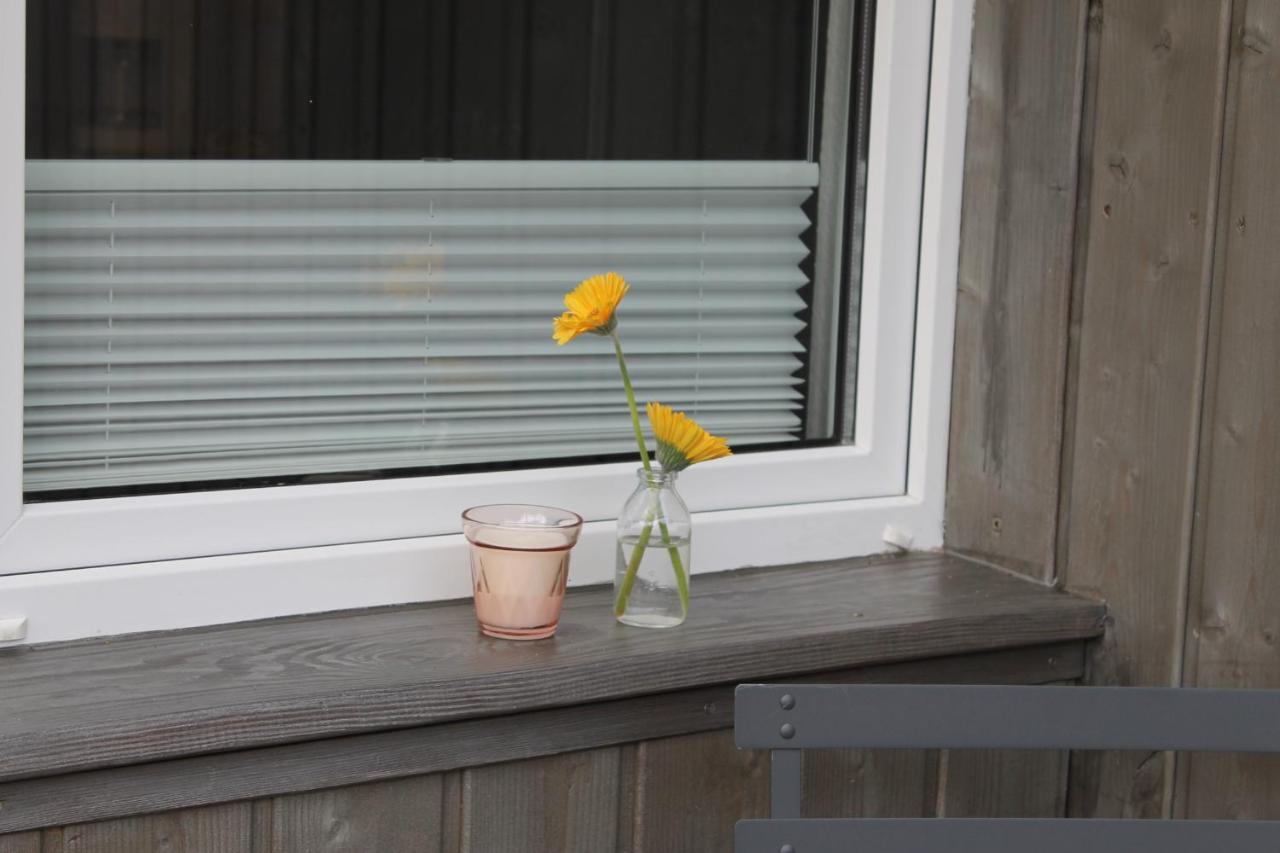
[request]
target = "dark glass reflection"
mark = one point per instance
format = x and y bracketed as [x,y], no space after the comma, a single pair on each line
[409,79]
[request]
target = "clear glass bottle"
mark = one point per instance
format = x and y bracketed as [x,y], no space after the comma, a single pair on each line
[651,582]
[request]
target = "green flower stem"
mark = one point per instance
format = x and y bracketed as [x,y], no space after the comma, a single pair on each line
[682,580]
[631,402]
[633,565]
[629,579]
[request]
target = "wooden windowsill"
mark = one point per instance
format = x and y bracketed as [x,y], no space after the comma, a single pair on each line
[107,703]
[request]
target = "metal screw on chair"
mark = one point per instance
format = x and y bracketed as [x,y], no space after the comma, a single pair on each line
[787,731]
[787,701]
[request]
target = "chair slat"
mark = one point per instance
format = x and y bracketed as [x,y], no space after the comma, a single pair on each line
[1006,836]
[946,716]
[786,783]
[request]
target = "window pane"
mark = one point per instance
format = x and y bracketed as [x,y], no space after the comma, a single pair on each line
[419,79]
[347,310]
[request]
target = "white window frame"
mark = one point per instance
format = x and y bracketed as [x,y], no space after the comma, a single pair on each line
[108,566]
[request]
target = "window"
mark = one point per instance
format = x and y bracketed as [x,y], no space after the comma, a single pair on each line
[372,301]
[289,270]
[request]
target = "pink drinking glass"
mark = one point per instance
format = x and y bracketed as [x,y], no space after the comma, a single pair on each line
[519,566]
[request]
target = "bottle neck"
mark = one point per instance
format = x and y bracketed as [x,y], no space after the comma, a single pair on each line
[656,478]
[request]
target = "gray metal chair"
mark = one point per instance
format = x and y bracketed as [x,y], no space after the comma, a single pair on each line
[787,718]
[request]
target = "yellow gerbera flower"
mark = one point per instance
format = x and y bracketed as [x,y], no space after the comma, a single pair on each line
[681,441]
[591,307]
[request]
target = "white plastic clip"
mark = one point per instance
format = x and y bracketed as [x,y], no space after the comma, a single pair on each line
[896,537]
[14,628]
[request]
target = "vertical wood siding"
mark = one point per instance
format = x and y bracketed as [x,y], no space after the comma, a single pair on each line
[224,828]
[1003,783]
[677,793]
[684,784]
[1233,616]
[1159,444]
[20,842]
[1016,240]
[561,802]
[869,783]
[400,814]
[673,794]
[1141,354]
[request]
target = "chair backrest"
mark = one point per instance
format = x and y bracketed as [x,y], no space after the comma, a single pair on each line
[787,718]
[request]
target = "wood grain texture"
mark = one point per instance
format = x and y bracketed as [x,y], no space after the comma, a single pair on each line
[1153,194]
[1234,606]
[451,815]
[213,829]
[628,763]
[1193,593]
[1043,835]
[94,704]
[258,773]
[869,782]
[1003,783]
[395,816]
[1017,228]
[691,790]
[20,842]
[562,802]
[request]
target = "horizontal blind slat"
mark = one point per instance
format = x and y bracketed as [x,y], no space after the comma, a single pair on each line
[177,334]
[461,375]
[43,309]
[283,463]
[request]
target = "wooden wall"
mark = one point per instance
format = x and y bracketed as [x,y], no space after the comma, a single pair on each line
[1116,398]
[674,794]
[679,792]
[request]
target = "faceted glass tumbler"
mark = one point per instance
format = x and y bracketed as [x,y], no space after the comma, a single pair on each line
[519,567]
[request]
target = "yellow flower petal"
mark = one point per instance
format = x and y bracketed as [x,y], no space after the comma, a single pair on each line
[567,327]
[591,307]
[681,441]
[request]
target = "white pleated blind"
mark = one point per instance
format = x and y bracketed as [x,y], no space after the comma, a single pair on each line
[206,321]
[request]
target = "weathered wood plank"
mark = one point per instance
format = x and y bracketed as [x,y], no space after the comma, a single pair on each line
[213,829]
[562,802]
[1003,782]
[115,792]
[1021,171]
[691,790]
[869,782]
[1153,194]
[395,816]
[235,687]
[628,767]
[1234,606]
[451,812]
[20,842]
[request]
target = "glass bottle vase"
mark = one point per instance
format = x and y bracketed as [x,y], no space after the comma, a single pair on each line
[651,581]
